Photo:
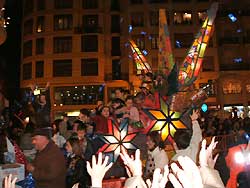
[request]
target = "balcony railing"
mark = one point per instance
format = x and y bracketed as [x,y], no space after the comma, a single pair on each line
[230,67]
[81,30]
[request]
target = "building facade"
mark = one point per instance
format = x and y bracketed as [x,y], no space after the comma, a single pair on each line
[80,47]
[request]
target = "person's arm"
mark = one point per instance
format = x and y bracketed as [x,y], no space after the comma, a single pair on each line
[197,134]
[98,170]
[161,159]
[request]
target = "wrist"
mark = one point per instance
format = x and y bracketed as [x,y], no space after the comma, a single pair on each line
[96,182]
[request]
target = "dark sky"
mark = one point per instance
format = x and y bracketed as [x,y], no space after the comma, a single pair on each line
[10,50]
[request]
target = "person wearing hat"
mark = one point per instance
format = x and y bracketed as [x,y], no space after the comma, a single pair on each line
[48,167]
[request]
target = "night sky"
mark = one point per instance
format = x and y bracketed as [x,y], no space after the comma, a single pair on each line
[10,50]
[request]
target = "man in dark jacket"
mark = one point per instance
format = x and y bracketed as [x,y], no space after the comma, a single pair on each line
[48,168]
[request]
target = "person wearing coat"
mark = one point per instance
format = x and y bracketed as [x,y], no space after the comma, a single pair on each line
[49,165]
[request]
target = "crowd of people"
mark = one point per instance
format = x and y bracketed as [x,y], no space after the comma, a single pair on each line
[66,147]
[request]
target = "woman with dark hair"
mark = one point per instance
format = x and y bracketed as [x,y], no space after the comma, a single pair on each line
[157,157]
[76,164]
[57,137]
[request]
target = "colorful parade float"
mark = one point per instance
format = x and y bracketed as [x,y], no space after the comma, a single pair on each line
[172,84]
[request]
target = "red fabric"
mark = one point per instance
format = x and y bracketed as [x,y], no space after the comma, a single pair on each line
[113,183]
[20,158]
[101,124]
[235,168]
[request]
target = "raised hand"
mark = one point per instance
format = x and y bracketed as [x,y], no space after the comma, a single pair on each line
[194,115]
[134,164]
[8,182]
[159,180]
[98,169]
[206,154]
[188,176]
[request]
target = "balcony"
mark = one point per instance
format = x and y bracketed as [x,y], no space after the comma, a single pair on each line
[235,67]
[110,77]
[86,29]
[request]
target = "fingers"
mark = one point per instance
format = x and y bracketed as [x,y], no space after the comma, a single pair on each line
[13,182]
[105,162]
[93,160]
[89,167]
[149,184]
[99,162]
[137,154]
[108,167]
[216,157]
[174,181]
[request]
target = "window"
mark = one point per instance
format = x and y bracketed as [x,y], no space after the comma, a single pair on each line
[63,22]
[27,49]
[90,23]
[63,4]
[39,46]
[140,41]
[90,4]
[115,46]
[116,69]
[90,43]
[137,19]
[202,15]
[28,7]
[158,1]
[78,95]
[62,68]
[28,27]
[89,67]
[183,40]
[115,5]
[231,86]
[40,4]
[27,71]
[154,42]
[62,44]
[208,63]
[115,23]
[39,69]
[40,26]
[154,18]
[136,1]
[182,18]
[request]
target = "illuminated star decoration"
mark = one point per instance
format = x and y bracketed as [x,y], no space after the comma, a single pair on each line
[118,139]
[165,120]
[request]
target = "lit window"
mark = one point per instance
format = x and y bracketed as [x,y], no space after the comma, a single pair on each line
[40,27]
[63,22]
[231,87]
[202,15]
[154,42]
[137,19]
[182,18]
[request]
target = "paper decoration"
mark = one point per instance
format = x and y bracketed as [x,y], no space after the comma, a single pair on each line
[165,120]
[118,139]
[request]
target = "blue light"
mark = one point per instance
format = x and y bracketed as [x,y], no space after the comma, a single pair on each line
[232,17]
[178,44]
[144,52]
[143,33]
[204,107]
[238,60]
[126,44]
[150,37]
[130,28]
[239,30]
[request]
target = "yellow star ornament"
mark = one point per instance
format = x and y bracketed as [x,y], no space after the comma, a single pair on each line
[165,120]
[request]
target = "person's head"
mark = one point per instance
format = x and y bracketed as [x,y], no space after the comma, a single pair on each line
[73,146]
[129,101]
[81,130]
[41,138]
[55,125]
[182,138]
[154,140]
[119,92]
[84,114]
[117,103]
[42,99]
[105,111]
[76,123]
